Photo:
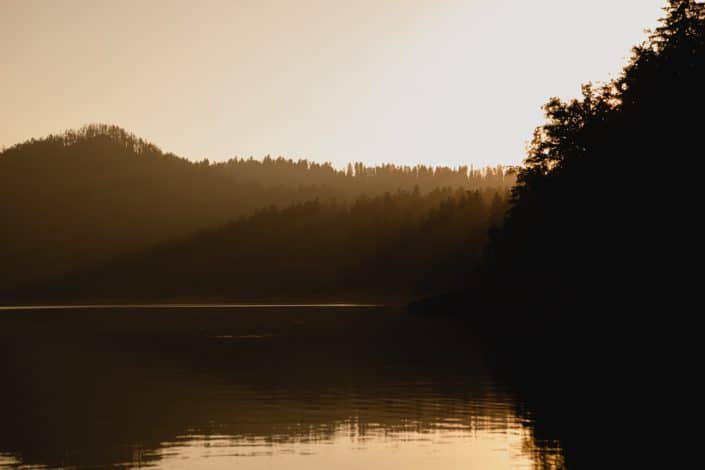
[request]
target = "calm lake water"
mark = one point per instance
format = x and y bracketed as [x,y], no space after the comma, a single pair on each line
[291,388]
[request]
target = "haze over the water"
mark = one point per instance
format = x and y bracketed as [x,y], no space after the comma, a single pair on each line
[433,81]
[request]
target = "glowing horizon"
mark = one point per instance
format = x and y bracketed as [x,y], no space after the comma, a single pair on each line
[448,82]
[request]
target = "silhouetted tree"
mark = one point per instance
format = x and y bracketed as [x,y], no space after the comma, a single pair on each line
[589,217]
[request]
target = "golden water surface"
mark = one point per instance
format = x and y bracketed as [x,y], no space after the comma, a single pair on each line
[309,387]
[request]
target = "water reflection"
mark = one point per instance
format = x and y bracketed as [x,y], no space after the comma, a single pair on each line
[287,388]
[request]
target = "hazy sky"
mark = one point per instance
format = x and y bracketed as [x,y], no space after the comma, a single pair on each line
[432,81]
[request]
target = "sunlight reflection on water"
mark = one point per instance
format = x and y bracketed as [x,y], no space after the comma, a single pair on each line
[347,448]
[279,388]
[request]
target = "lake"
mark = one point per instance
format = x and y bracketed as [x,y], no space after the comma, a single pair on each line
[296,387]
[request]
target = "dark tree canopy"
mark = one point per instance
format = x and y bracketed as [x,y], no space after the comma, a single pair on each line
[387,247]
[598,203]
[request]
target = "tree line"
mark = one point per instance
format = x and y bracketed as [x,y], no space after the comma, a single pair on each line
[78,199]
[386,247]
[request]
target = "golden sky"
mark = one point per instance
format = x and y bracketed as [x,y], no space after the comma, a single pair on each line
[408,81]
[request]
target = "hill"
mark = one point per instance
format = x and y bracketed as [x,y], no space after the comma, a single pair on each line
[387,247]
[78,199]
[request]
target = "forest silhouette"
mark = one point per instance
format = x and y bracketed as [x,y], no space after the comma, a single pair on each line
[101,214]
[591,220]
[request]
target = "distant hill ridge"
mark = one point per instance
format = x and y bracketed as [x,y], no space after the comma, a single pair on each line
[280,170]
[69,201]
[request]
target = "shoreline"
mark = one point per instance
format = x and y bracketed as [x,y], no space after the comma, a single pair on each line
[187,305]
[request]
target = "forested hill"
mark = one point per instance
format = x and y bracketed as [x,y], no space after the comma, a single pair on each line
[83,197]
[388,247]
